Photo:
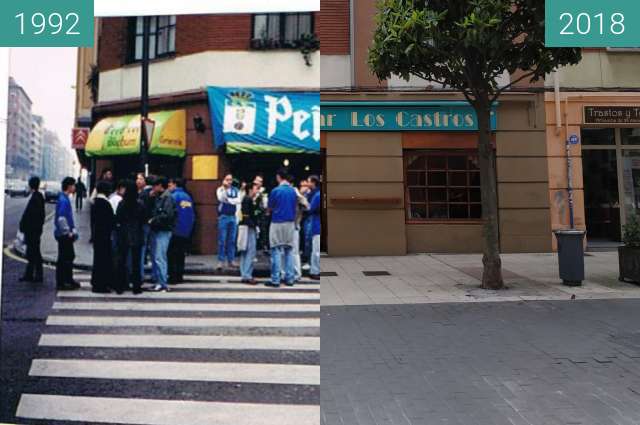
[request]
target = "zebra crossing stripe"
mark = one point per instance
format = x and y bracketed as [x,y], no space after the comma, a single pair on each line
[280,296]
[162,412]
[184,322]
[168,306]
[261,373]
[211,342]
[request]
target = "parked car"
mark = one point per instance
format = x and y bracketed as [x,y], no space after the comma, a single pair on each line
[51,191]
[14,187]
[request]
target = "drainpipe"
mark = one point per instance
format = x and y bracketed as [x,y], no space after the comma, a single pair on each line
[352,42]
[556,91]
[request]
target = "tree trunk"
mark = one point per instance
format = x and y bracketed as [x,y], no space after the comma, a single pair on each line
[492,272]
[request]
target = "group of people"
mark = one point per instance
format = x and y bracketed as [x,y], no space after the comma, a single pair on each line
[152,216]
[147,216]
[283,221]
[129,220]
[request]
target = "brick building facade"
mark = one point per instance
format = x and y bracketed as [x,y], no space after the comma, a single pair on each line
[190,53]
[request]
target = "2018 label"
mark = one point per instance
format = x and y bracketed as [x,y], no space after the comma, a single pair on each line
[582,23]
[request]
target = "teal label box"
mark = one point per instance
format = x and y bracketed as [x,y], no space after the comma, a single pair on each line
[592,23]
[46,23]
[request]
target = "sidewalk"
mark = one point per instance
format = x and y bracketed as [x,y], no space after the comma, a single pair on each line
[441,278]
[195,264]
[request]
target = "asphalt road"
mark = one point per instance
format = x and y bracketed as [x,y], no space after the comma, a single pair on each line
[168,353]
[13,208]
[25,308]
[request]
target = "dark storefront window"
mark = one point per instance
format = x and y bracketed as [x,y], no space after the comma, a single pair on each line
[162,37]
[281,29]
[443,186]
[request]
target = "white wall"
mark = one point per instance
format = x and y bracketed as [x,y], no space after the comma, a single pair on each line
[601,69]
[397,83]
[276,69]
[336,71]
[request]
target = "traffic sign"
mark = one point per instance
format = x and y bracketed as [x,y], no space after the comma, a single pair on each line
[574,139]
[79,137]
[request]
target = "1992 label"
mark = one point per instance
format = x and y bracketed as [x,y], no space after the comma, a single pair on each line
[52,24]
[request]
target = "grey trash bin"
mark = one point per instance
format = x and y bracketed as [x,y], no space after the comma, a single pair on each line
[571,256]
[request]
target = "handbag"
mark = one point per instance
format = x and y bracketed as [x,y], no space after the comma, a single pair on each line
[243,235]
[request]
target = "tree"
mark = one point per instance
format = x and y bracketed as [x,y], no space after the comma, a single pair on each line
[467,45]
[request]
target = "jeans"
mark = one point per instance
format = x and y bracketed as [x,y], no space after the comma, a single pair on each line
[297,263]
[64,265]
[227,233]
[308,237]
[247,256]
[315,256]
[276,263]
[161,241]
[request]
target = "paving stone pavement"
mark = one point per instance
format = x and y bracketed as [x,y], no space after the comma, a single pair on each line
[516,363]
[437,278]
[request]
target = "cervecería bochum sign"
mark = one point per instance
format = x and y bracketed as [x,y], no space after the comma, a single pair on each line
[400,116]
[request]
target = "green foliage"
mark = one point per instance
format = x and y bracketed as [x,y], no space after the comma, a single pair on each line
[308,43]
[93,82]
[464,44]
[631,232]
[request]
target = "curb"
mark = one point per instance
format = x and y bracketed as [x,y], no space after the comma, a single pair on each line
[258,272]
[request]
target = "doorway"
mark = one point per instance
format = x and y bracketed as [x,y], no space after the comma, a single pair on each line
[601,198]
[611,173]
[246,166]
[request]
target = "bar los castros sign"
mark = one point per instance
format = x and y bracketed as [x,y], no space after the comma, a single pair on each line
[612,115]
[400,116]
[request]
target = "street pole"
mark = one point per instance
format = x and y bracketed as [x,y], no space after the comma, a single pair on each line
[144,94]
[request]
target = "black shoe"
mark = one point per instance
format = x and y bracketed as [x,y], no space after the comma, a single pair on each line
[137,291]
[100,291]
[314,276]
[289,284]
[272,285]
[66,287]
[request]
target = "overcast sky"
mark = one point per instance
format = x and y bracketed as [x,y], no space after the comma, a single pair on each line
[48,75]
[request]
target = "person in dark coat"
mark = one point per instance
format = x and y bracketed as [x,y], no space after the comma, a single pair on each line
[130,217]
[31,225]
[81,193]
[182,230]
[103,219]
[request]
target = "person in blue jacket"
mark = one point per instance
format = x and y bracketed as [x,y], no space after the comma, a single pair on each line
[185,221]
[316,226]
[66,234]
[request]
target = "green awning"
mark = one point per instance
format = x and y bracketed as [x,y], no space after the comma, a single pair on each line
[121,135]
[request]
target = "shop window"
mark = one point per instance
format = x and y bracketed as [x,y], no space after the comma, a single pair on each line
[598,136]
[630,136]
[280,30]
[443,186]
[162,37]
